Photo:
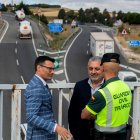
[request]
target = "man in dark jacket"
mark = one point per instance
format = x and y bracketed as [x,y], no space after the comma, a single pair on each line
[83,90]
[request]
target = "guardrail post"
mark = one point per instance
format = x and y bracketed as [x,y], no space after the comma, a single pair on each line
[60,110]
[16,115]
[136,115]
[1,115]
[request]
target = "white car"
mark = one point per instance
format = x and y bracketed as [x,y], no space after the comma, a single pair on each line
[128,76]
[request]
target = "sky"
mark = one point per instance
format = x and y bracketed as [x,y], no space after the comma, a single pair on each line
[110,5]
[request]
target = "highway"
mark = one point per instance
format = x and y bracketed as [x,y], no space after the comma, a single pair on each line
[17,58]
[17,63]
[78,55]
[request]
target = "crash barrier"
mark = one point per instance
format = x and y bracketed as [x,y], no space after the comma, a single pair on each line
[64,91]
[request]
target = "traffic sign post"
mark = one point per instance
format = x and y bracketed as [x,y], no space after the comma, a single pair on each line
[55,27]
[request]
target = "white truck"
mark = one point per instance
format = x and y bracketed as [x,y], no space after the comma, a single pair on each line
[100,43]
[25,29]
[20,15]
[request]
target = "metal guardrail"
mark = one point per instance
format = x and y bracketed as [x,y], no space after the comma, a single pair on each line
[16,106]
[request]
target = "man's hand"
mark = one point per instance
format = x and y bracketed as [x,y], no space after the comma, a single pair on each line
[64,133]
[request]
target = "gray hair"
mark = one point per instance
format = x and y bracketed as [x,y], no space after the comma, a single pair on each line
[95,58]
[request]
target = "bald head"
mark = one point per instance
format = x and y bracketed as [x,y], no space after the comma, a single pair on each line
[111,69]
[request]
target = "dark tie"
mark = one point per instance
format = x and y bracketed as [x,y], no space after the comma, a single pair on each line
[48,88]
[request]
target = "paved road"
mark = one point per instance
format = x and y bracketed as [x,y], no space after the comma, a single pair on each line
[77,58]
[16,59]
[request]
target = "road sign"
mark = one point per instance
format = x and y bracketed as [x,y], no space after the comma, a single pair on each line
[124,32]
[55,27]
[134,43]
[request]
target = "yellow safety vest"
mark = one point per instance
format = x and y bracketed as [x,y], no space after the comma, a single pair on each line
[114,116]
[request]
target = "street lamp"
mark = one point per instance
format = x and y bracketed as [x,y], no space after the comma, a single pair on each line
[95,20]
[105,20]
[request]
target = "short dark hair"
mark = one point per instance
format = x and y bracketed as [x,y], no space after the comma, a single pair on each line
[41,59]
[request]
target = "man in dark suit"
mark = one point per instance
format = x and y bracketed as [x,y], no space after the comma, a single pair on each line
[41,124]
[83,90]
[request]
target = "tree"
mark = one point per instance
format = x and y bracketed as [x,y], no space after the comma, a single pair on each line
[25,8]
[107,17]
[81,15]
[44,19]
[70,15]
[120,15]
[3,8]
[114,14]
[62,14]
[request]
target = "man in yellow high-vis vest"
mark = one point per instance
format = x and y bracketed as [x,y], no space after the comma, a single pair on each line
[110,105]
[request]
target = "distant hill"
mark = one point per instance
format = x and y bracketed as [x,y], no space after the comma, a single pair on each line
[48,12]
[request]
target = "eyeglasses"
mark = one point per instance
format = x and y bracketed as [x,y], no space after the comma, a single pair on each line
[49,68]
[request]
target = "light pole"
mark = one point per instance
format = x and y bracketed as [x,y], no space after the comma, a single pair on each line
[105,20]
[95,21]
[39,14]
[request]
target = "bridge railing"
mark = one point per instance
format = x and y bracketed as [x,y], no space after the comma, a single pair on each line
[16,91]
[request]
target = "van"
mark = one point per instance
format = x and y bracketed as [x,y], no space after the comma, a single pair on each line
[128,76]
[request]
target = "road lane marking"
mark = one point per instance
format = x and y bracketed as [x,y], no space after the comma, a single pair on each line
[16,50]
[17,62]
[22,79]
[34,43]
[59,72]
[60,81]
[66,96]
[67,54]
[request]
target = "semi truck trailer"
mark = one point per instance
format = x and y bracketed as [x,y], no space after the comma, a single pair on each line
[100,43]
[20,15]
[25,29]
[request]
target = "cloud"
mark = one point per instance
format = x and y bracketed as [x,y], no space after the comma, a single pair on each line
[110,5]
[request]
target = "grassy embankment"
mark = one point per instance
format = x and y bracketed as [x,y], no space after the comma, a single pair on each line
[56,40]
[133,35]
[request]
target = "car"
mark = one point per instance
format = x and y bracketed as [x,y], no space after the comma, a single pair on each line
[128,76]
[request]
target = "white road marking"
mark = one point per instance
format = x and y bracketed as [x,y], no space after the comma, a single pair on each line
[66,96]
[58,57]
[16,50]
[67,54]
[59,72]
[34,43]
[87,52]
[17,62]
[58,81]
[22,79]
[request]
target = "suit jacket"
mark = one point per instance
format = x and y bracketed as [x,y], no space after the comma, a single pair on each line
[39,113]
[79,128]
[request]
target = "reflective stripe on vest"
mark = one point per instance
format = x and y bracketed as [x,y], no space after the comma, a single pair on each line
[109,129]
[109,118]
